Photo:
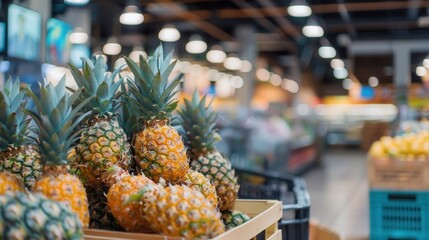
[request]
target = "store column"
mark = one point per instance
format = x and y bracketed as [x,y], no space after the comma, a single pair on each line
[248,51]
[402,80]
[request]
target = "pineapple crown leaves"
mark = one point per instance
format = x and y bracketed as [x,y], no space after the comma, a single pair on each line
[14,121]
[152,91]
[99,85]
[198,123]
[57,120]
[127,116]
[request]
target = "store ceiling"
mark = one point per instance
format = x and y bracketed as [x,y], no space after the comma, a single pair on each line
[278,35]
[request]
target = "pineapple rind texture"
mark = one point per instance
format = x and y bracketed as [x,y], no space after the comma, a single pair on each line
[221,174]
[23,161]
[101,146]
[161,153]
[10,183]
[198,182]
[129,215]
[33,216]
[234,218]
[65,188]
[181,211]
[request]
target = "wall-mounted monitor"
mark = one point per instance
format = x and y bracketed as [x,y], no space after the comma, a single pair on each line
[57,44]
[2,36]
[24,33]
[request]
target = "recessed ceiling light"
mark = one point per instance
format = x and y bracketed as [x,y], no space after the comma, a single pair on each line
[327,52]
[299,8]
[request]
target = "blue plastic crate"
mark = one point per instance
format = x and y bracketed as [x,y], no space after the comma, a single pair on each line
[399,215]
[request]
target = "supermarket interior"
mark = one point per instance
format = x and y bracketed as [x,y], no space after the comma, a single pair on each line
[318,109]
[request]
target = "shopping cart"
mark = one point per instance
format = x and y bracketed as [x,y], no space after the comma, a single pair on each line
[289,189]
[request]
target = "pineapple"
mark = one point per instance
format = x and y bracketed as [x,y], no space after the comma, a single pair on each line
[103,143]
[180,211]
[56,121]
[199,134]
[158,148]
[199,182]
[234,218]
[10,183]
[33,216]
[17,156]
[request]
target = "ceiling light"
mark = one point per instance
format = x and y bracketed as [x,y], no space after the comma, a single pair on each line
[112,47]
[100,54]
[237,82]
[421,71]
[246,66]
[169,33]
[216,54]
[426,62]
[337,63]
[78,36]
[348,84]
[263,74]
[131,16]
[136,52]
[232,62]
[120,63]
[340,73]
[196,45]
[312,29]
[276,80]
[373,81]
[291,86]
[299,8]
[327,52]
[76,2]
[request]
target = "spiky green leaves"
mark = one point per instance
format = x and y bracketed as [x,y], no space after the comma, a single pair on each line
[198,123]
[56,120]
[14,120]
[153,92]
[98,85]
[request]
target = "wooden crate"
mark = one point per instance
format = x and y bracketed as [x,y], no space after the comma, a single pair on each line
[386,173]
[264,213]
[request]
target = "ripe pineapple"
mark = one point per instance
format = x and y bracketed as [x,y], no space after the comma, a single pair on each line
[181,211]
[200,135]
[56,121]
[124,185]
[10,183]
[33,216]
[197,181]
[158,148]
[17,156]
[103,143]
[234,218]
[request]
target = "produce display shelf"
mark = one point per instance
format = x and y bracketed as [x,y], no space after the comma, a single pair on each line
[264,214]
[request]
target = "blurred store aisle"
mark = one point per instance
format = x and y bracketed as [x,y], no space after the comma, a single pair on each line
[339,192]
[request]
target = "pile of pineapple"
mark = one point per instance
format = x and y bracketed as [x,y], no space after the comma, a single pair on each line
[406,147]
[106,156]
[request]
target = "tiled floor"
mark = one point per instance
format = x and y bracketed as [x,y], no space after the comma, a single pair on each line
[339,193]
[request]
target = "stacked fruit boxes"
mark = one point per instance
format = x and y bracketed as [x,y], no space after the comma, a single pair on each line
[399,191]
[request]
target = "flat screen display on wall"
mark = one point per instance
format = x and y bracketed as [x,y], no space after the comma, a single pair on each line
[24,33]
[57,44]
